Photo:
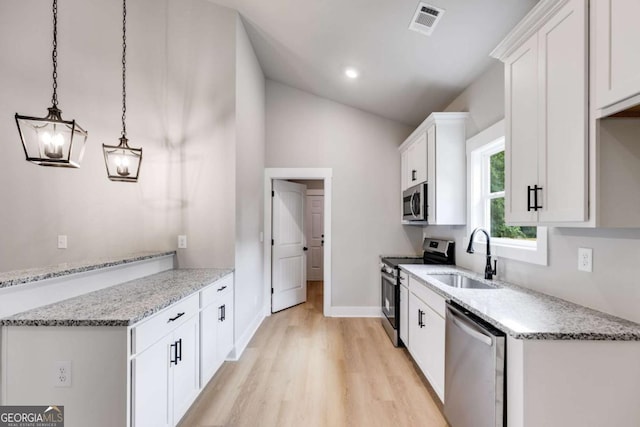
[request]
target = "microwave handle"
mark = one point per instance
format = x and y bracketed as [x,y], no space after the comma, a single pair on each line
[411,204]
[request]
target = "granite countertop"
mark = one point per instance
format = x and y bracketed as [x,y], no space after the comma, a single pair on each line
[525,314]
[18,277]
[120,305]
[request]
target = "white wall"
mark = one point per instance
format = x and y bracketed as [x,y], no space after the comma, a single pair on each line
[613,285]
[100,217]
[250,157]
[304,130]
[202,48]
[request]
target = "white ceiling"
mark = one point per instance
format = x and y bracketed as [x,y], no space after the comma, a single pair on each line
[404,75]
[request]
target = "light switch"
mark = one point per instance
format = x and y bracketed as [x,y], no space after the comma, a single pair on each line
[62,241]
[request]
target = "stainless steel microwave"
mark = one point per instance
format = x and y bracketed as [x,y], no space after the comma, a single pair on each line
[414,203]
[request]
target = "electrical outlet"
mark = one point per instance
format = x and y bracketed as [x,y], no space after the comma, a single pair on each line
[585,259]
[182,241]
[62,241]
[62,374]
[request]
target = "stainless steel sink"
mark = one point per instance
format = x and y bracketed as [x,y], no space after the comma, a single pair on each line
[459,281]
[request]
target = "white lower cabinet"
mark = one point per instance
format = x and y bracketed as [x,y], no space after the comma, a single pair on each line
[404,315]
[177,351]
[427,336]
[185,369]
[165,377]
[216,334]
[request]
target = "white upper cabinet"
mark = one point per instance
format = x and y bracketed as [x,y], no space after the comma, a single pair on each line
[616,47]
[546,112]
[435,153]
[416,154]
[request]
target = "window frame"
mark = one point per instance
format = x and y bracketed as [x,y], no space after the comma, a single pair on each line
[479,149]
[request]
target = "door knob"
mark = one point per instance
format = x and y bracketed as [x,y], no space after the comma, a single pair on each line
[305,248]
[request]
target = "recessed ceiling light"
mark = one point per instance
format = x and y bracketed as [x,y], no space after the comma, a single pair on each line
[352,73]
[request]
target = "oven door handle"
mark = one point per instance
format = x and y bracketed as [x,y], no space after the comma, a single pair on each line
[389,278]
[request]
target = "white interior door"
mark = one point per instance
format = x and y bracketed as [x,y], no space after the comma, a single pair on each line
[288,269]
[315,236]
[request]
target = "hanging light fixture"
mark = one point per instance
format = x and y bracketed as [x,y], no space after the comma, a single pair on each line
[50,140]
[122,161]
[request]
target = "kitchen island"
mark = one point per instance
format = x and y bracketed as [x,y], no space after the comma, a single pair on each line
[137,353]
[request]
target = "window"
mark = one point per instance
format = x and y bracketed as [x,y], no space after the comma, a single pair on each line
[486,164]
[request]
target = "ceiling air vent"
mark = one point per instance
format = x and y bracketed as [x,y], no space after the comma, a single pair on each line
[426,18]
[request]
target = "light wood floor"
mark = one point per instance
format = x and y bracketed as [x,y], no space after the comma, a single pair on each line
[302,369]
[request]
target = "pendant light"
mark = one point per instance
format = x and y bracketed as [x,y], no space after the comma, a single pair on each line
[122,161]
[50,140]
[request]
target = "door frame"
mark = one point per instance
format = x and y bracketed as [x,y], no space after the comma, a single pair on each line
[324,174]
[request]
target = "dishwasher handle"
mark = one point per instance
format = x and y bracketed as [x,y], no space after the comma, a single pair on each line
[469,327]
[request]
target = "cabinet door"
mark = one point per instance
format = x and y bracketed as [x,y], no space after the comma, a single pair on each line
[434,341]
[521,119]
[404,315]
[208,343]
[616,50]
[404,170]
[418,160]
[562,160]
[150,386]
[225,326]
[186,381]
[431,176]
[417,343]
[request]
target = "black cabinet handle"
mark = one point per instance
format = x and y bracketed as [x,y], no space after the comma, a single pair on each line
[305,248]
[420,321]
[414,174]
[535,198]
[222,288]
[535,205]
[178,350]
[174,354]
[175,318]
[222,313]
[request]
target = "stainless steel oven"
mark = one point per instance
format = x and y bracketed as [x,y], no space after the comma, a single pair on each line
[436,251]
[414,203]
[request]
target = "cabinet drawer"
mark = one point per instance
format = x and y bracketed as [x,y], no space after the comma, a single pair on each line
[164,322]
[216,290]
[432,299]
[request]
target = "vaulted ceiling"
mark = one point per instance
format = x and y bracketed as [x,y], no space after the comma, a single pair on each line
[404,75]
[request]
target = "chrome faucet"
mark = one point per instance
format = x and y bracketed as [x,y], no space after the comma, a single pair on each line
[488,271]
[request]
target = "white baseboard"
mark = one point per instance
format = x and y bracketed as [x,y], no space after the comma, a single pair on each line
[243,341]
[342,311]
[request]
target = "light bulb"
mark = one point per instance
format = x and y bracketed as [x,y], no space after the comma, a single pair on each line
[58,140]
[46,138]
[352,73]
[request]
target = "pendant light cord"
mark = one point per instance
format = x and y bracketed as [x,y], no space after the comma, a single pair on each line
[54,54]
[124,67]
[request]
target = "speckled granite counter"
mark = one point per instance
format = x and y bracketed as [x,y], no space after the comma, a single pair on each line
[17,277]
[120,305]
[526,314]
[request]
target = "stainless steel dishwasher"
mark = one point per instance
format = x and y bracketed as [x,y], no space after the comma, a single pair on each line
[474,391]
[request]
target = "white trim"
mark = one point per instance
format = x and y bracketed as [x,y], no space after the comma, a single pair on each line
[527,27]
[428,122]
[479,145]
[343,311]
[315,192]
[241,344]
[324,174]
